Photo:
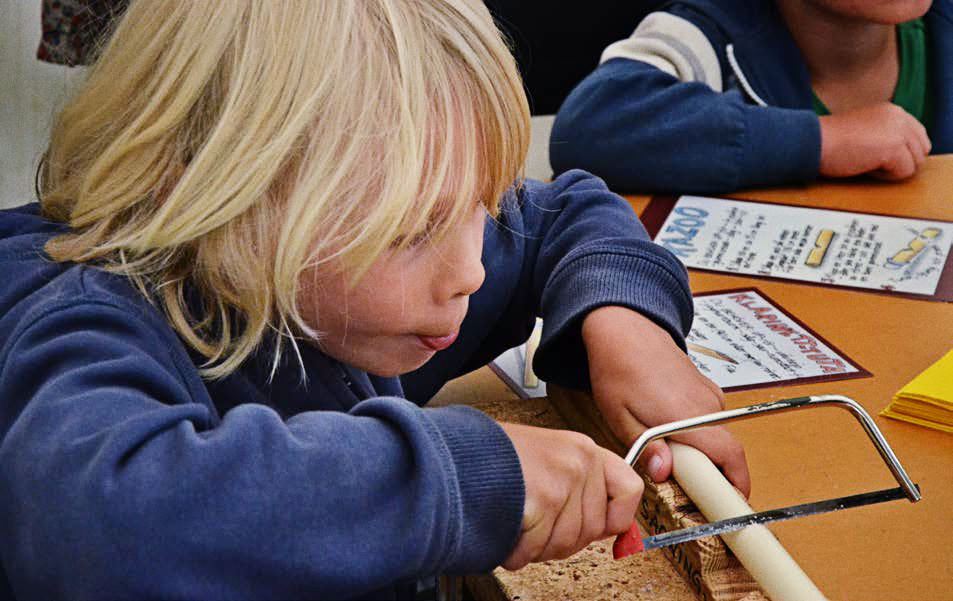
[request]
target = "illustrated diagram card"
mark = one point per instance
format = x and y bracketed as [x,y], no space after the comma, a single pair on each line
[739,339]
[839,248]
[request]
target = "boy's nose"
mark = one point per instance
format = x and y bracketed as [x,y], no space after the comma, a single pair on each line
[463,273]
[471,277]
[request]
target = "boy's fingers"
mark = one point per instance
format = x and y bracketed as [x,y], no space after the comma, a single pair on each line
[910,160]
[923,142]
[624,488]
[724,451]
[905,165]
[566,528]
[564,533]
[656,460]
[594,504]
[718,392]
[916,155]
[919,151]
[898,166]
[737,473]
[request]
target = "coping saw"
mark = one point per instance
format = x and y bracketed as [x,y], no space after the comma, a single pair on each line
[632,542]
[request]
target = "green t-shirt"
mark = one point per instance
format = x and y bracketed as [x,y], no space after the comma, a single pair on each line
[913,91]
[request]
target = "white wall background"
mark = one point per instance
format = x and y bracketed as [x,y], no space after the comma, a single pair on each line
[537,160]
[30,93]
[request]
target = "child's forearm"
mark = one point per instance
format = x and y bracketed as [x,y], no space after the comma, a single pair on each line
[642,130]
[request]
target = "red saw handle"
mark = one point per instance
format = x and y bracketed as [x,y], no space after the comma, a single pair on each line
[628,543]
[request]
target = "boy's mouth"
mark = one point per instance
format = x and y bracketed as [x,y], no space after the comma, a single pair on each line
[437,343]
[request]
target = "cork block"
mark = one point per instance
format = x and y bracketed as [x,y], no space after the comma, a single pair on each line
[706,564]
[590,573]
[703,571]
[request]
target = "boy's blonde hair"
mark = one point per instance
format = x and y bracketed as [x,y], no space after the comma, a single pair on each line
[218,150]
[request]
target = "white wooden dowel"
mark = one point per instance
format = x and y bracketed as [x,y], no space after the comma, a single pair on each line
[755,547]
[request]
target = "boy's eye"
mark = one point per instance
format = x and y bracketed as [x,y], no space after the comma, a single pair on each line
[414,240]
[420,238]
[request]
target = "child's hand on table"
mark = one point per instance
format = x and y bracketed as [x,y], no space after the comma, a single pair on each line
[882,139]
[576,492]
[640,378]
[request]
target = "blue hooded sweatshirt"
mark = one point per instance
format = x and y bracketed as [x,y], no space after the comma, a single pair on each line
[124,475]
[709,96]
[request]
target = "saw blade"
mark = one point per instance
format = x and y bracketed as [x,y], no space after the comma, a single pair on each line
[772,515]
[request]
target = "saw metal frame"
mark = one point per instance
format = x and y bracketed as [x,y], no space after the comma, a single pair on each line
[910,490]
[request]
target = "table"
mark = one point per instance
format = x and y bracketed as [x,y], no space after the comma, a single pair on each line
[894,551]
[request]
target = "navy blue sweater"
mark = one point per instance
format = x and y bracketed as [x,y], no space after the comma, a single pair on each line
[709,96]
[124,475]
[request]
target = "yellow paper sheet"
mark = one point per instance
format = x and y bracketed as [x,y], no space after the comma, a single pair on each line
[927,400]
[936,382]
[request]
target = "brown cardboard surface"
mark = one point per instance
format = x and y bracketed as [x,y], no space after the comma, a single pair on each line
[894,551]
[889,552]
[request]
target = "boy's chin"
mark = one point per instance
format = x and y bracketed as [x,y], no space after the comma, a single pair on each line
[895,14]
[397,369]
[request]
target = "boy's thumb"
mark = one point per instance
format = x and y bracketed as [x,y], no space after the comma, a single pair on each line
[656,461]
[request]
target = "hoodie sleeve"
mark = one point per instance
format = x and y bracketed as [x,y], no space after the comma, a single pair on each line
[559,251]
[119,480]
[659,115]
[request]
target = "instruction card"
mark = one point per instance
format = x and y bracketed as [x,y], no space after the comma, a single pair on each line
[739,339]
[839,248]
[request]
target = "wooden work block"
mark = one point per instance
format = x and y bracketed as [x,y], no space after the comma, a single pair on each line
[706,564]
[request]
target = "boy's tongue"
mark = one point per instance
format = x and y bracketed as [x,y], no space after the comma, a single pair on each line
[438,343]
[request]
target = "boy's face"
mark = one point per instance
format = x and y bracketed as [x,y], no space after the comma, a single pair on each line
[408,305]
[887,12]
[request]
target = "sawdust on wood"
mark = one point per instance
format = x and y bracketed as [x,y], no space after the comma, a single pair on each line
[593,574]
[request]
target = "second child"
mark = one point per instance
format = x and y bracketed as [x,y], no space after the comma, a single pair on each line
[710,96]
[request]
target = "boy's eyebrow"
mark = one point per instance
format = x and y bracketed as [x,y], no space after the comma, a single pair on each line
[440,214]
